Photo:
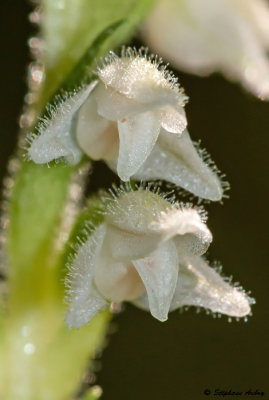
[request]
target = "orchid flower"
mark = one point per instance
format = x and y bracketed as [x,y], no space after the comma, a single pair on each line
[134,119]
[147,251]
[204,36]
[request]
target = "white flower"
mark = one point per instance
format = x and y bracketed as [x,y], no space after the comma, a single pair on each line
[203,36]
[143,252]
[134,120]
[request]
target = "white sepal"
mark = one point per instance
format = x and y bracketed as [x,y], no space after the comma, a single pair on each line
[175,159]
[200,285]
[56,133]
[83,299]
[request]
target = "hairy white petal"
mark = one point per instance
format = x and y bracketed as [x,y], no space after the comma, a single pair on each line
[56,134]
[97,136]
[116,280]
[84,300]
[202,36]
[137,212]
[138,77]
[159,272]
[176,160]
[134,224]
[200,285]
[173,119]
[138,135]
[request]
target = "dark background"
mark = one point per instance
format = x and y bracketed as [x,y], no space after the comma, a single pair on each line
[178,359]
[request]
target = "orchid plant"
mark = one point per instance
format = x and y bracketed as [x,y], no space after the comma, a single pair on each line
[92,99]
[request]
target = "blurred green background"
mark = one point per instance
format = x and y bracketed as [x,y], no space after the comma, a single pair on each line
[191,352]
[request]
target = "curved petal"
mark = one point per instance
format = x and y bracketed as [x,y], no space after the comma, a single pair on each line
[56,134]
[176,160]
[173,119]
[138,135]
[96,136]
[159,272]
[200,285]
[83,298]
